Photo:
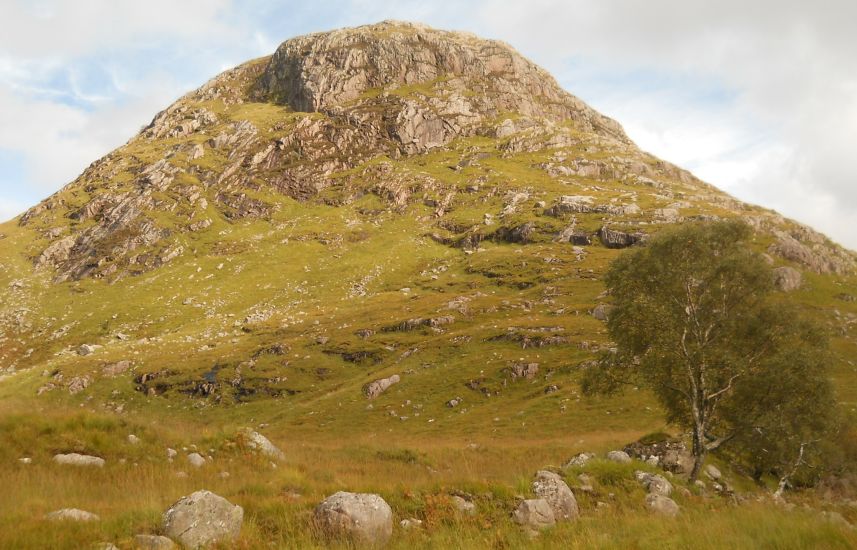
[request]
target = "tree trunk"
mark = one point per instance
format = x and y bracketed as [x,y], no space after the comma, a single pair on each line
[698,449]
[698,462]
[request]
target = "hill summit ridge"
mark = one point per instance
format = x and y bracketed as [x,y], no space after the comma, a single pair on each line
[332,116]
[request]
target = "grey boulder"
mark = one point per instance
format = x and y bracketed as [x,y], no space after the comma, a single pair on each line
[654,483]
[661,504]
[258,442]
[359,517]
[552,488]
[535,514]
[202,519]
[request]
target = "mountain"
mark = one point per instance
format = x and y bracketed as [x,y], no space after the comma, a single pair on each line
[389,232]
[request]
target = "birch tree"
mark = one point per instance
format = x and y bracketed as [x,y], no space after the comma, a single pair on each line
[694,322]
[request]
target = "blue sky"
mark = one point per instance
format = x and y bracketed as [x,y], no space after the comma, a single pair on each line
[757,98]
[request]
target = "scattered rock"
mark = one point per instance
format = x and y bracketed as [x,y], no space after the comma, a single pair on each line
[654,483]
[71,514]
[87,349]
[672,454]
[258,442]
[661,504]
[712,472]
[75,459]
[133,439]
[153,542]
[378,387]
[462,505]
[202,519]
[25,460]
[196,460]
[535,514]
[171,453]
[619,456]
[454,402]
[556,492]
[77,384]
[410,523]
[363,518]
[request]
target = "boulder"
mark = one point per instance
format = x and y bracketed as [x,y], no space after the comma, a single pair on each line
[787,278]
[362,518]
[378,387]
[258,442]
[580,460]
[203,519]
[196,460]
[654,483]
[87,349]
[712,472]
[75,459]
[661,504]
[153,542]
[619,456]
[535,514]
[556,492]
[71,514]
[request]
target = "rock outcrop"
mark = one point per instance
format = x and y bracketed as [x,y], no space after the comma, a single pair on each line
[378,387]
[787,278]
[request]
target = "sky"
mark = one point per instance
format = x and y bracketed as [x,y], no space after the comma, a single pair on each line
[758,98]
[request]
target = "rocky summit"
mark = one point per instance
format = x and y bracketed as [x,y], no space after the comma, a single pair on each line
[383,245]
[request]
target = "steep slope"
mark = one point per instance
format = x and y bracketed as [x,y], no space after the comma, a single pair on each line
[389,199]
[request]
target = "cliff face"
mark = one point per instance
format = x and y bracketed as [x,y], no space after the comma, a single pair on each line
[322,71]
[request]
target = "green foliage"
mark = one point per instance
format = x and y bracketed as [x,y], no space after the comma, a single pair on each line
[695,322]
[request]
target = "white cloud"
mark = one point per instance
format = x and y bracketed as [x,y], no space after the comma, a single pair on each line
[51,28]
[790,64]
